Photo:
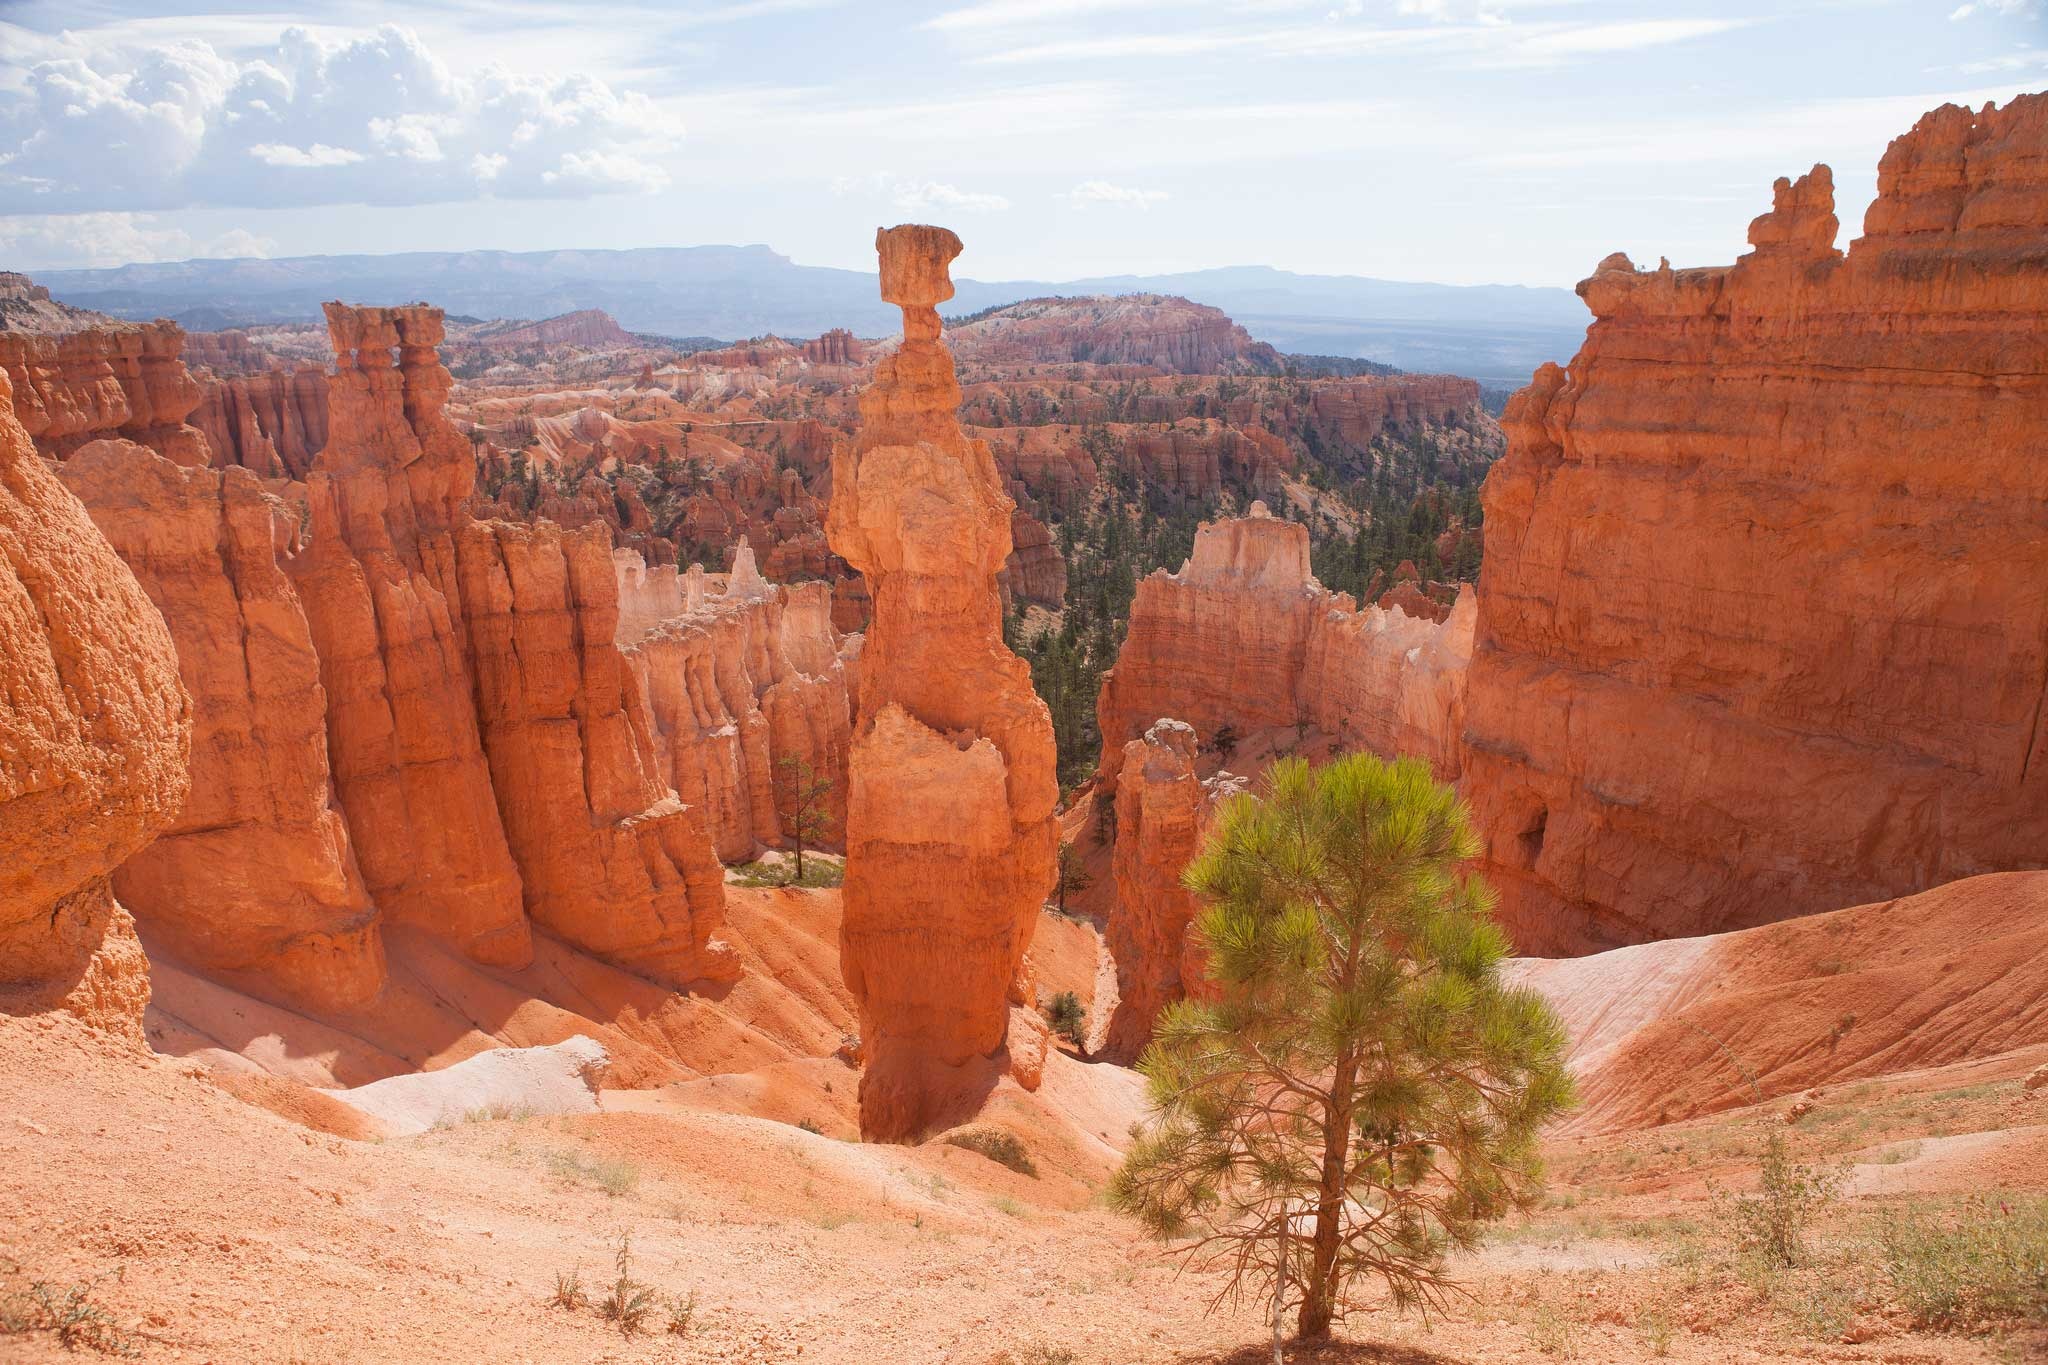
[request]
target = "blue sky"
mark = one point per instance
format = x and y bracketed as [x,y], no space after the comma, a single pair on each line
[1464,141]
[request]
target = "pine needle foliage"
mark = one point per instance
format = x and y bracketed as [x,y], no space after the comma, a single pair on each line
[1357,1090]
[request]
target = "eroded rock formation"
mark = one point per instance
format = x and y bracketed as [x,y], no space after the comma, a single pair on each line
[609,859]
[127,381]
[273,421]
[1761,628]
[950,838]
[95,734]
[1244,637]
[1154,330]
[257,875]
[1162,812]
[739,684]
[380,592]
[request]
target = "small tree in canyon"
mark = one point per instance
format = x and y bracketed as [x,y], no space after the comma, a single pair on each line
[801,794]
[1359,1090]
[1071,874]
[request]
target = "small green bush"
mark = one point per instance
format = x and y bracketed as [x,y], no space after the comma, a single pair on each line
[818,872]
[67,1313]
[1068,1019]
[1770,1226]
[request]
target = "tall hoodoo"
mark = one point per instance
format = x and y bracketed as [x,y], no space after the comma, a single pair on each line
[381,596]
[950,837]
[95,733]
[1761,626]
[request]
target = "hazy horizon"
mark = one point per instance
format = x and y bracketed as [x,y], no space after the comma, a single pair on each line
[1444,141]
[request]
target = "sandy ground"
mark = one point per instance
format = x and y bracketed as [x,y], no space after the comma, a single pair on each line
[215,1211]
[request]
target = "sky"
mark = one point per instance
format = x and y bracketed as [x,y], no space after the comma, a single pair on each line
[1459,141]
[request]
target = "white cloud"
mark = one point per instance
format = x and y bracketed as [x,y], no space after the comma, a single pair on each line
[374,118]
[319,154]
[1090,192]
[924,195]
[61,241]
[2008,8]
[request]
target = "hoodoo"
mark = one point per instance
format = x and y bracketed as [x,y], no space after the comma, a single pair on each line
[949,830]
[1761,629]
[381,595]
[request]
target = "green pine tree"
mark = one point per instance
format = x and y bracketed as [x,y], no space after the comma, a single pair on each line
[1362,1090]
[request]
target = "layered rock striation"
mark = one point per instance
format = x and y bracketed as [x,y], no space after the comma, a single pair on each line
[273,421]
[1762,629]
[949,831]
[382,600]
[95,735]
[490,747]
[608,858]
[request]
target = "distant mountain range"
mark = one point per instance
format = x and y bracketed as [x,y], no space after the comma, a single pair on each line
[1497,334]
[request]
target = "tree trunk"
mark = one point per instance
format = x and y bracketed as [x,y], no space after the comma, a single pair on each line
[1319,1295]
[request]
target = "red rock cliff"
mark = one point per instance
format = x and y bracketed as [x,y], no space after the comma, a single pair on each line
[1762,629]
[1244,636]
[95,733]
[950,837]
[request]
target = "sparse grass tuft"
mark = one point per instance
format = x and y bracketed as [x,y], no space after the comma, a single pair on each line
[1038,1353]
[1552,1333]
[810,1126]
[819,871]
[499,1113]
[569,1289]
[997,1144]
[1986,1259]
[681,1309]
[614,1175]
[1653,1325]
[1771,1225]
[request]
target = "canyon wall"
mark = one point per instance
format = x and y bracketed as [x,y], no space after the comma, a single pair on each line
[95,735]
[1762,625]
[272,421]
[1153,330]
[949,832]
[257,875]
[491,747]
[381,598]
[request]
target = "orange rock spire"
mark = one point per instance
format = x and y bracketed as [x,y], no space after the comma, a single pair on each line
[950,838]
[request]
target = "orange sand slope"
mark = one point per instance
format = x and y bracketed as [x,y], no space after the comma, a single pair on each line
[1664,1031]
[439,1008]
